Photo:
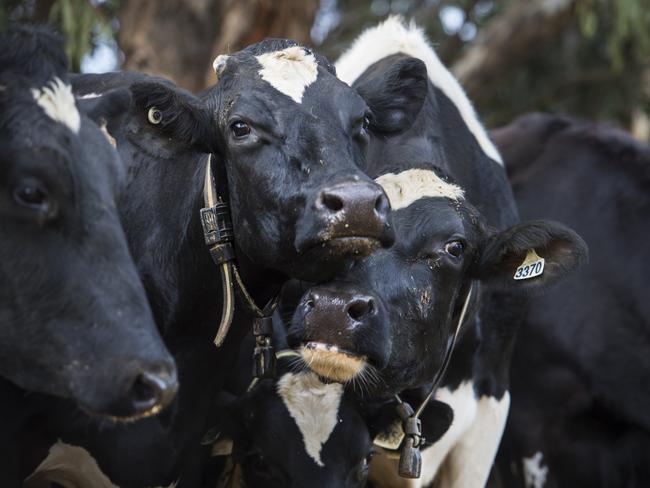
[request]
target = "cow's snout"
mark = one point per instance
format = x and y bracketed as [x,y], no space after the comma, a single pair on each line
[340,332]
[350,218]
[129,389]
[362,203]
[152,390]
[345,311]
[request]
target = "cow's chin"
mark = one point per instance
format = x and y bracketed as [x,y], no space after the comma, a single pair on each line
[332,363]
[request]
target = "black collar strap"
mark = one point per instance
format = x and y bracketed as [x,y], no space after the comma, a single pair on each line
[411,440]
[219,236]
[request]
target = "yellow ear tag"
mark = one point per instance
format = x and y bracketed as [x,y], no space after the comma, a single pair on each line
[392,439]
[532,266]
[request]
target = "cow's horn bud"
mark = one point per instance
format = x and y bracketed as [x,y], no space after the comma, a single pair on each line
[219,64]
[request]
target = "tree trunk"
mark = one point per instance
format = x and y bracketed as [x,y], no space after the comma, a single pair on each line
[169,38]
[178,39]
[244,22]
[505,42]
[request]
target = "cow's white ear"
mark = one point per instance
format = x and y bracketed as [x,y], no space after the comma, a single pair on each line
[531,256]
[219,64]
[223,447]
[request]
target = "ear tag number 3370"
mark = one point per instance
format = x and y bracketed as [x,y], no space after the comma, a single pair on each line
[532,266]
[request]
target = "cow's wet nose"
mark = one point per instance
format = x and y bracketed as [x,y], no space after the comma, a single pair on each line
[335,317]
[153,389]
[360,307]
[356,208]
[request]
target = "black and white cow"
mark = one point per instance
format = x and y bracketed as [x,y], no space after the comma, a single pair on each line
[298,430]
[74,319]
[287,137]
[580,413]
[457,239]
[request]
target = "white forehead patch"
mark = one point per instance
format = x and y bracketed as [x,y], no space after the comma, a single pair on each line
[393,36]
[314,406]
[408,186]
[58,102]
[289,71]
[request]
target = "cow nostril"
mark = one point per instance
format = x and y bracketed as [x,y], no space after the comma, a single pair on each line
[151,391]
[331,201]
[360,308]
[144,392]
[382,206]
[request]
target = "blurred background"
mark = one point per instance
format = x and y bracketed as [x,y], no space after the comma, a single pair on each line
[587,58]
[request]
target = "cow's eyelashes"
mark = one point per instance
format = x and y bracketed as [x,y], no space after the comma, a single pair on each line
[33,196]
[240,129]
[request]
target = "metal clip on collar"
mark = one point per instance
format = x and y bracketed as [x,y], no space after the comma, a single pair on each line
[410,459]
[264,355]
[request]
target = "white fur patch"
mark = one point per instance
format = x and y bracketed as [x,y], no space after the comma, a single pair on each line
[289,71]
[392,37]
[314,406]
[58,102]
[534,472]
[468,464]
[408,186]
[71,467]
[463,456]
[464,404]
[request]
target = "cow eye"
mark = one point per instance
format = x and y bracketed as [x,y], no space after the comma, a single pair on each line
[455,248]
[154,116]
[365,123]
[33,197]
[240,129]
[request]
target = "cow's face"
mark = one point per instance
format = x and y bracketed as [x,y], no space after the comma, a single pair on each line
[299,432]
[74,319]
[391,315]
[292,136]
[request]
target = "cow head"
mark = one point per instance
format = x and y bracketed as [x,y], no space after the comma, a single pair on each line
[300,431]
[289,137]
[297,431]
[390,315]
[74,319]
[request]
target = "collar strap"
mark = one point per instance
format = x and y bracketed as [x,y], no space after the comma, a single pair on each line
[410,459]
[219,236]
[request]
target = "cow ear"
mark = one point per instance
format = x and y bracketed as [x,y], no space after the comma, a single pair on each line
[531,256]
[175,112]
[109,108]
[394,95]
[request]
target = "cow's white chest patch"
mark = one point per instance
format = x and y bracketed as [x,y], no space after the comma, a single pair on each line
[534,471]
[314,406]
[289,71]
[58,102]
[408,186]
[71,467]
